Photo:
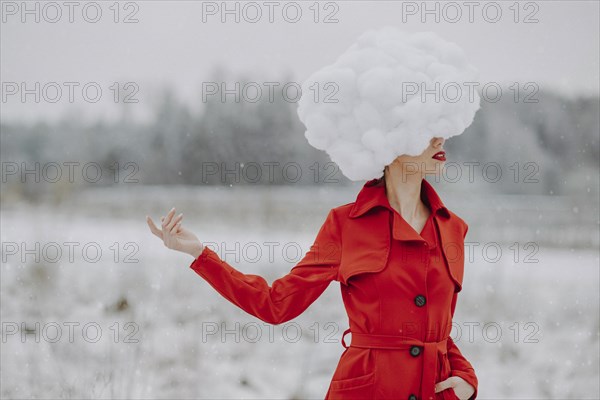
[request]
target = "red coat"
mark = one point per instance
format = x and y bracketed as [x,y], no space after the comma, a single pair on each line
[399,289]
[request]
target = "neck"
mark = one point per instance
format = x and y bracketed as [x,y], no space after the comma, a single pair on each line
[404,193]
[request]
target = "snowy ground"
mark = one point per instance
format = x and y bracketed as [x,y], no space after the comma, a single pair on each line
[546,312]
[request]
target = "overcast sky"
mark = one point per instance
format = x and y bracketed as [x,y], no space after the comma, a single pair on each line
[179,43]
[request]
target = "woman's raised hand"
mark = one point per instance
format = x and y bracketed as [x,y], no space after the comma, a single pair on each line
[174,236]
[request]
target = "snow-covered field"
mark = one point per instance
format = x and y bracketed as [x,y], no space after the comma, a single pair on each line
[528,320]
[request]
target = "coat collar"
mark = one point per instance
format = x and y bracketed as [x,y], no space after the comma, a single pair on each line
[373,194]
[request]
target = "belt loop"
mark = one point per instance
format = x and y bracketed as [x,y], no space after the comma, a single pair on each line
[345,332]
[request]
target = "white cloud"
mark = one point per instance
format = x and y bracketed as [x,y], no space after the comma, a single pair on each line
[375,117]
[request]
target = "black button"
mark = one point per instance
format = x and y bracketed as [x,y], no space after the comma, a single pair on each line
[412,397]
[415,351]
[420,300]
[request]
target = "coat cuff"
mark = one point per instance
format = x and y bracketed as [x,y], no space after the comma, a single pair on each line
[469,377]
[206,255]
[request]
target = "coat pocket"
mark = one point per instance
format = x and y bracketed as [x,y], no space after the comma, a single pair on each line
[450,394]
[445,372]
[360,387]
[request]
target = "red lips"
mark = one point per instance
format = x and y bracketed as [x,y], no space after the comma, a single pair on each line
[440,155]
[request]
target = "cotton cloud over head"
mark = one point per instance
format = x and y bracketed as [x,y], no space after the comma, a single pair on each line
[379,99]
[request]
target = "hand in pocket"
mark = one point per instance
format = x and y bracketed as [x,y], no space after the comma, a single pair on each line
[461,388]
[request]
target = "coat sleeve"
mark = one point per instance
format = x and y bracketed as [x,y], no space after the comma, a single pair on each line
[288,296]
[459,365]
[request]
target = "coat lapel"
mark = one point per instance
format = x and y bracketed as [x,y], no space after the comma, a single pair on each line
[453,249]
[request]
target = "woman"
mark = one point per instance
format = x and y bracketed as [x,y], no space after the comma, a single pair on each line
[397,252]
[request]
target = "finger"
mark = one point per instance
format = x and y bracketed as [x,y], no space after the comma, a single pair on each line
[175,229]
[153,227]
[168,217]
[443,385]
[173,222]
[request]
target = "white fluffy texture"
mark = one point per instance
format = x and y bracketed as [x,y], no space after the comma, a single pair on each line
[372,123]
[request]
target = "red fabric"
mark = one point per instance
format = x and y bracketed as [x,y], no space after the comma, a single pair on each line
[382,264]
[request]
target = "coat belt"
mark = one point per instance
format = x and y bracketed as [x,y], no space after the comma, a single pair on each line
[430,351]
